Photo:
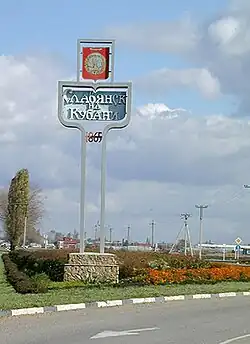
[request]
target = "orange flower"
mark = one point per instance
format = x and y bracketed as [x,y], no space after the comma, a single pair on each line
[214,274]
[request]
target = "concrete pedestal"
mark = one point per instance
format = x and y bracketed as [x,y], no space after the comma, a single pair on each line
[92,267]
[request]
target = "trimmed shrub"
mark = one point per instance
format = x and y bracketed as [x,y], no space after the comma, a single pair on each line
[40,283]
[49,262]
[21,282]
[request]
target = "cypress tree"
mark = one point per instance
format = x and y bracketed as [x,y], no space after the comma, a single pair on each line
[17,209]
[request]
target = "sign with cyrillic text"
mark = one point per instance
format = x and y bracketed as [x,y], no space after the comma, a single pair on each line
[79,104]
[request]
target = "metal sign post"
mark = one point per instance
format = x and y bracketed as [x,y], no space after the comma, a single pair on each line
[238,241]
[94,107]
[95,61]
[83,192]
[224,249]
[103,193]
[237,252]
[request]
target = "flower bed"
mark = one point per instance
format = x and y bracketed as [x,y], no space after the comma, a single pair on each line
[131,264]
[136,269]
[201,275]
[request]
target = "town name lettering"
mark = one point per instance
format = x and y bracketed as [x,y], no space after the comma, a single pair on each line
[88,106]
[92,114]
[104,98]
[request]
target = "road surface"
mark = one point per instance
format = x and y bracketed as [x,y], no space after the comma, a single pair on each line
[213,321]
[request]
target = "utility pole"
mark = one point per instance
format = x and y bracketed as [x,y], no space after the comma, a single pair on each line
[110,234]
[128,234]
[152,233]
[97,225]
[187,238]
[185,217]
[45,241]
[25,231]
[201,208]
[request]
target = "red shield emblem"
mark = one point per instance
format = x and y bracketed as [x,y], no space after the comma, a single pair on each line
[95,63]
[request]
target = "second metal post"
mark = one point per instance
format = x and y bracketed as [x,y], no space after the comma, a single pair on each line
[103,193]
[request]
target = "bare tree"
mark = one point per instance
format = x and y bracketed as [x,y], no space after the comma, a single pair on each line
[35,210]
[36,207]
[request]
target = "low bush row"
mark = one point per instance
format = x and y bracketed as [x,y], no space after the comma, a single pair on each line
[131,264]
[202,275]
[21,282]
[40,262]
[31,271]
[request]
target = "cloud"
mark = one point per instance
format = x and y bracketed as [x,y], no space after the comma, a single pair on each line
[167,160]
[177,36]
[224,32]
[165,79]
[216,53]
[171,148]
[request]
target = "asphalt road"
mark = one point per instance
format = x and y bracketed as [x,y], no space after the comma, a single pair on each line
[179,322]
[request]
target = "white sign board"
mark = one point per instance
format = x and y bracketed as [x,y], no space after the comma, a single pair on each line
[94,106]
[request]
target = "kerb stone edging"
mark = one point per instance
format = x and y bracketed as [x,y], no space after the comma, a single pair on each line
[115,303]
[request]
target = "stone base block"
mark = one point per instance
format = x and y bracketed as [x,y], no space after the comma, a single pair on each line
[92,268]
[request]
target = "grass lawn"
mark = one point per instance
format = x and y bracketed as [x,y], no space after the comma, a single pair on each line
[9,299]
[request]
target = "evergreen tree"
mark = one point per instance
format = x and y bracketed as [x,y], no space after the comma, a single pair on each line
[35,212]
[17,208]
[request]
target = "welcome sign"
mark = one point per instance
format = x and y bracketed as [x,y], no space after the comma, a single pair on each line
[94,104]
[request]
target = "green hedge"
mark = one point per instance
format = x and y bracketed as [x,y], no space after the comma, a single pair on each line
[38,262]
[21,282]
[131,264]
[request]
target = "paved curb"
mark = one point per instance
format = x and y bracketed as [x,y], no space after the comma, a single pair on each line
[115,303]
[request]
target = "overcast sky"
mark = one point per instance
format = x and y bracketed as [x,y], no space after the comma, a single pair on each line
[189,138]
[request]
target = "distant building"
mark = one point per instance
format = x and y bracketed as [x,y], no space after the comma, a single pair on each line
[66,243]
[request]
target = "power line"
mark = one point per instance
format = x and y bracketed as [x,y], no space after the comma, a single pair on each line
[234,196]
